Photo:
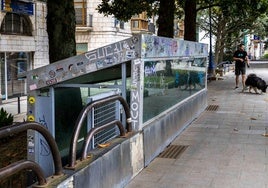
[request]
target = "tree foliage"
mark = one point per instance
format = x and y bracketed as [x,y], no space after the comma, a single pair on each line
[231,23]
[125,9]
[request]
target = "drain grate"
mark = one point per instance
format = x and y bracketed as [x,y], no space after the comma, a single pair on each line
[173,151]
[212,108]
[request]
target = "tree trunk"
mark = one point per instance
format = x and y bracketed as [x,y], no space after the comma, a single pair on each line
[166,18]
[61,34]
[166,24]
[220,40]
[61,29]
[190,20]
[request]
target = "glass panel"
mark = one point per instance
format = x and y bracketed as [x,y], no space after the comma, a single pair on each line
[78,15]
[135,24]
[80,12]
[168,82]
[12,82]
[122,25]
[15,23]
[67,112]
[81,48]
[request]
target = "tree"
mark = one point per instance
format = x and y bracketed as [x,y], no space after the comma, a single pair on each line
[61,29]
[166,18]
[231,23]
[61,35]
[190,14]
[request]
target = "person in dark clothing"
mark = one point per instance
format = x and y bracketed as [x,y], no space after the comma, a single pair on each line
[241,60]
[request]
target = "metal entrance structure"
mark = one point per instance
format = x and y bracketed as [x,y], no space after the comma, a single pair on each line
[156,76]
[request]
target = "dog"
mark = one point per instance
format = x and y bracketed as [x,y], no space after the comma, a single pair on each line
[255,82]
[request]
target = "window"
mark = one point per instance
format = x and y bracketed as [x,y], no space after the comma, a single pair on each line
[81,48]
[122,25]
[119,24]
[80,12]
[135,24]
[16,24]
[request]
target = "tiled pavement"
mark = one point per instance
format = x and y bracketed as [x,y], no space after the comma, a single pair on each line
[227,146]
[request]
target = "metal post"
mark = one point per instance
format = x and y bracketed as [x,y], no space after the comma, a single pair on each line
[6,91]
[210,65]
[18,104]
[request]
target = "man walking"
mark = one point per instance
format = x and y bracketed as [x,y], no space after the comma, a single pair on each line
[241,59]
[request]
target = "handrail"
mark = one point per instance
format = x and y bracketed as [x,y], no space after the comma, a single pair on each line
[83,115]
[98,129]
[16,167]
[20,127]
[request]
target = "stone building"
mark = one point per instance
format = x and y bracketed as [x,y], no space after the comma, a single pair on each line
[95,30]
[23,43]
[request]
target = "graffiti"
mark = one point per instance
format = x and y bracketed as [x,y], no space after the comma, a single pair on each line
[45,150]
[135,94]
[43,121]
[113,54]
[165,47]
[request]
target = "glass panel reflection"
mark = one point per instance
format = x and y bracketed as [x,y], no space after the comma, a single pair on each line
[167,82]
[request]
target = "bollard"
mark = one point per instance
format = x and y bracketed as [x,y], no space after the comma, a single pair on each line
[18,105]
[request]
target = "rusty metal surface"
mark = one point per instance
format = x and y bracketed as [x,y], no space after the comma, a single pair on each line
[42,130]
[22,165]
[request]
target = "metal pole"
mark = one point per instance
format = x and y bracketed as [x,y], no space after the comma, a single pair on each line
[210,65]
[6,91]
[18,104]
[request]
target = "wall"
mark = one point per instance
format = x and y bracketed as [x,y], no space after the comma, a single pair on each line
[103,31]
[159,133]
[38,43]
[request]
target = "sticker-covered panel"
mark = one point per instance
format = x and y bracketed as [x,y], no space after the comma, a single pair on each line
[88,62]
[162,47]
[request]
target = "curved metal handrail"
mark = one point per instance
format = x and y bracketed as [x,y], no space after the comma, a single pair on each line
[98,129]
[20,127]
[16,167]
[83,115]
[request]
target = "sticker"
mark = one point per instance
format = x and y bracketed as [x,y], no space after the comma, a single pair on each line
[31,118]
[60,69]
[52,81]
[31,100]
[52,74]
[30,150]
[30,144]
[35,77]
[33,87]
[79,63]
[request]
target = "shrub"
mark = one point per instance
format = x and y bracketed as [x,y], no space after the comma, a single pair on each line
[265,56]
[5,118]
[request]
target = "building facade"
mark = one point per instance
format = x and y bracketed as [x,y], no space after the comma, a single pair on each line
[95,30]
[23,43]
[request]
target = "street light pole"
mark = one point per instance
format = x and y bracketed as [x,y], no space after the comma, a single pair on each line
[210,65]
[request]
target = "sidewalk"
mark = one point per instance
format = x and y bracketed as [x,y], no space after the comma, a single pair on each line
[226,146]
[11,106]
